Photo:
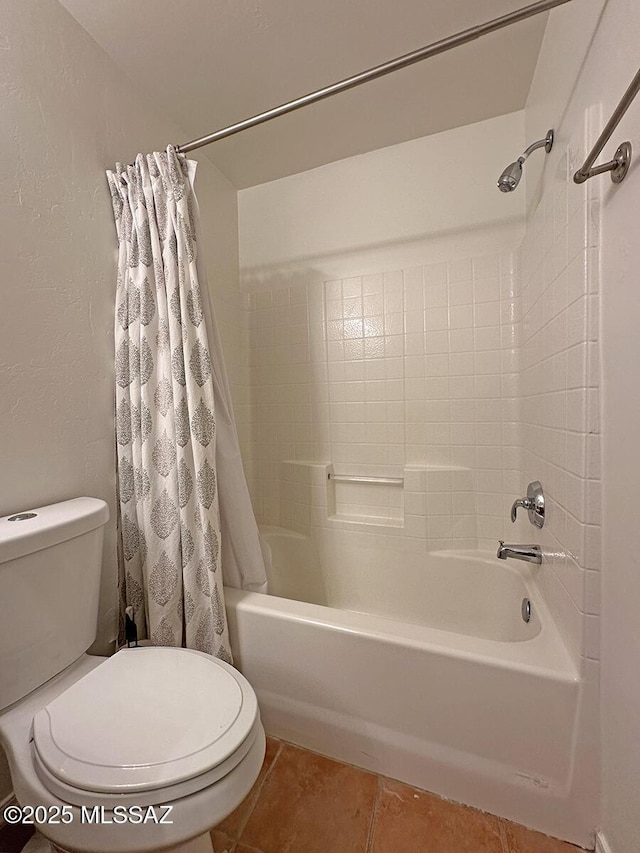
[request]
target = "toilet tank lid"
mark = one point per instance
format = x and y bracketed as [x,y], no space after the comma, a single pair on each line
[49,526]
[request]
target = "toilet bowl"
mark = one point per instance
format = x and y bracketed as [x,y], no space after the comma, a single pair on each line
[129,770]
[146,750]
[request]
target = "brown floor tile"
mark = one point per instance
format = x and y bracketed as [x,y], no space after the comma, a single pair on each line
[411,821]
[522,840]
[242,848]
[222,843]
[234,824]
[312,804]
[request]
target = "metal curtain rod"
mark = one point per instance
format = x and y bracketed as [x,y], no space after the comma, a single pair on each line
[379,71]
[619,166]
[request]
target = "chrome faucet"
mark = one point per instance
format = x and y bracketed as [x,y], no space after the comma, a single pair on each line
[533,503]
[528,553]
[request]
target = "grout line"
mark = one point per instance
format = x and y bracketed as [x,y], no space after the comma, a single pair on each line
[244,823]
[503,836]
[374,815]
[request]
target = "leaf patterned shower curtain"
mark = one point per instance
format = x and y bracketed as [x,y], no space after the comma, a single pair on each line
[166,430]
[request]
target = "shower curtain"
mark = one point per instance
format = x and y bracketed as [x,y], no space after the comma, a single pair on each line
[186,520]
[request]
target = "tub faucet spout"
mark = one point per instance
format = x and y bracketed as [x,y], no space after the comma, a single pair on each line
[528,553]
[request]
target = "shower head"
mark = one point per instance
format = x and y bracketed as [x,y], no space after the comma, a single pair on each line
[510,178]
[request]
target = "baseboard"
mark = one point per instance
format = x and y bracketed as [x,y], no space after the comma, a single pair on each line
[602,845]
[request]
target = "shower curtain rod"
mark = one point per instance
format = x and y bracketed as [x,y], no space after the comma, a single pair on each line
[619,166]
[378,71]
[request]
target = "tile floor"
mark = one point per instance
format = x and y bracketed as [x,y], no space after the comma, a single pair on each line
[303,802]
[306,803]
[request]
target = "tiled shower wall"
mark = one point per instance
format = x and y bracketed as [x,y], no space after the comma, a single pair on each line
[412,368]
[559,386]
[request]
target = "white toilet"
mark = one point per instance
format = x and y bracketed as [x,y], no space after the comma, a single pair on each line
[146,750]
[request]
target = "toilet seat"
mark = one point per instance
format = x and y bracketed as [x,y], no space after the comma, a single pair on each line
[107,739]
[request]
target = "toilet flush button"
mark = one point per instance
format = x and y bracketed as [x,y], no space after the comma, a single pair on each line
[22,516]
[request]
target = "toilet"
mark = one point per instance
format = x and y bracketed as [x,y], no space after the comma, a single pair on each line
[142,751]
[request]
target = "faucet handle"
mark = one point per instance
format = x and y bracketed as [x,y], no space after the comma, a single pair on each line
[533,503]
[521,502]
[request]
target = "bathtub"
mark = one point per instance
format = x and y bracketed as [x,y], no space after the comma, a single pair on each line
[419,667]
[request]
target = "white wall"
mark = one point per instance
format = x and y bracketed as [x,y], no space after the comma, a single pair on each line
[413,203]
[67,114]
[610,64]
[566,40]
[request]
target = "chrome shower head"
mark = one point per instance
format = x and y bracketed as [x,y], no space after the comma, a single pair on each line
[510,178]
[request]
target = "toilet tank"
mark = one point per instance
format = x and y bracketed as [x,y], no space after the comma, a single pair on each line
[49,586]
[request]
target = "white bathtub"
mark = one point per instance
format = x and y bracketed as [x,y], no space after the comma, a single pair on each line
[419,669]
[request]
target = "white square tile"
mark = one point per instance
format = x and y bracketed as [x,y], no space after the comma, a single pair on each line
[394,324]
[352,287]
[373,327]
[393,345]
[372,305]
[488,361]
[414,366]
[435,319]
[487,314]
[488,387]
[461,363]
[437,388]
[333,289]
[437,411]
[461,316]
[373,348]
[460,340]
[463,434]
[436,365]
[372,284]
[460,293]
[435,274]
[414,343]
[415,321]
[414,389]
[353,329]
[460,269]
[486,289]
[487,338]
[435,294]
[486,266]
[436,342]
[461,387]
[438,503]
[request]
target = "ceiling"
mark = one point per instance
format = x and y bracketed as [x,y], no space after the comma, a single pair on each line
[209,63]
